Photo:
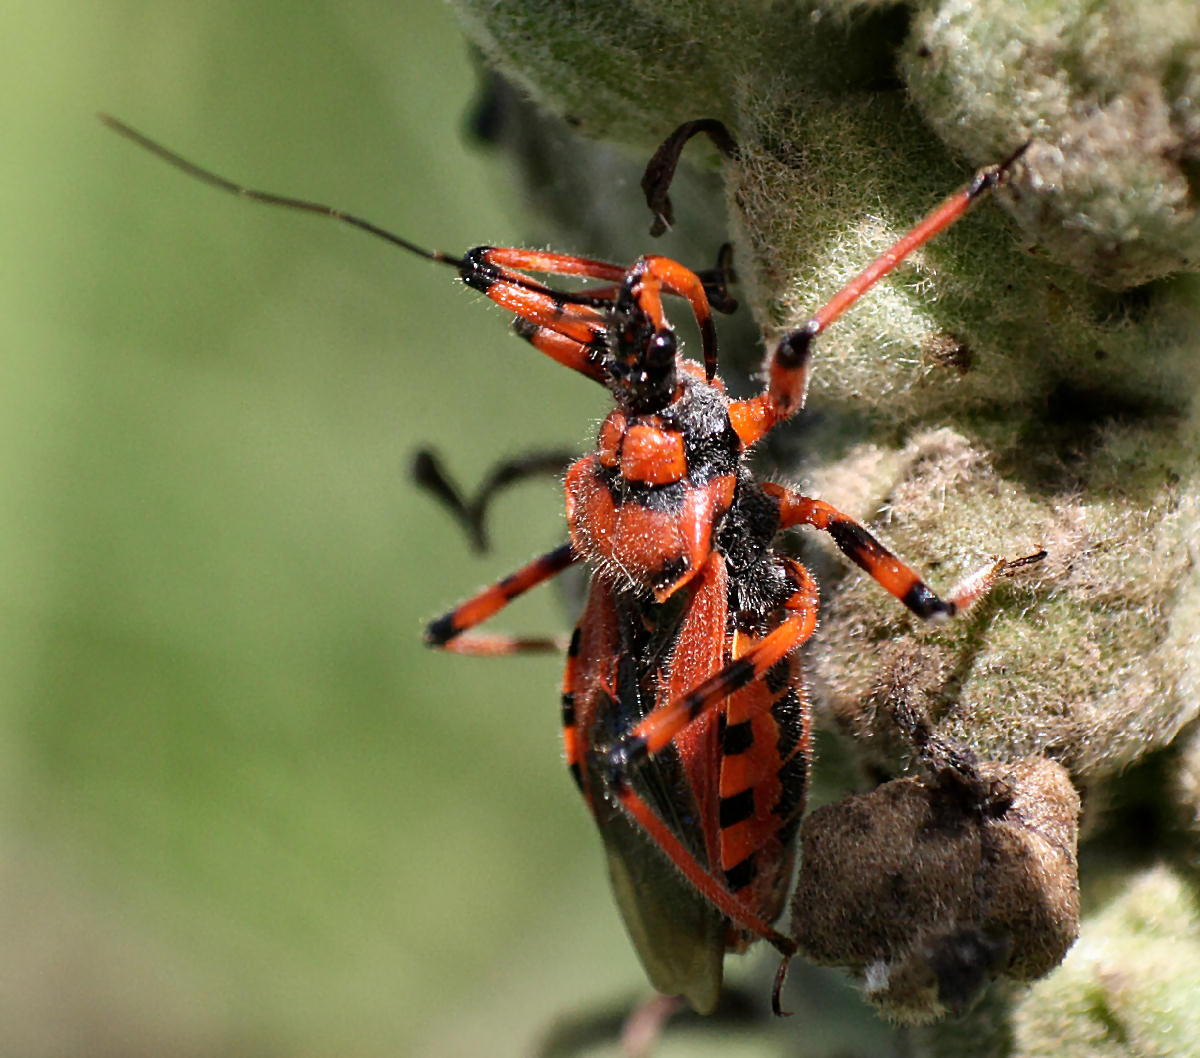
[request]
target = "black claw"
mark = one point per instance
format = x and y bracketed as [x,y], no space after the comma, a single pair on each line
[987,178]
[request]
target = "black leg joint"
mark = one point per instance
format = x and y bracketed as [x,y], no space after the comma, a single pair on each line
[622,760]
[441,631]
[795,349]
[925,604]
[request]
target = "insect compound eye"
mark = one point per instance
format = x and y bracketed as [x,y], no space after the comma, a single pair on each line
[661,351]
[642,374]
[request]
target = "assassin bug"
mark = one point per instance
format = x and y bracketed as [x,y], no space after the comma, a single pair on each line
[684,715]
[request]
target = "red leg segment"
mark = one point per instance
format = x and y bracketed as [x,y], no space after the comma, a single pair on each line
[586,358]
[446,632]
[559,323]
[788,366]
[675,279]
[705,882]
[558,264]
[892,574]
[540,309]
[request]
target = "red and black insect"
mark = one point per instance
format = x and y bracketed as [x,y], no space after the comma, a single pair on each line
[685,722]
[683,707]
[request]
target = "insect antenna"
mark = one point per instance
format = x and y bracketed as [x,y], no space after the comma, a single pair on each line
[468,266]
[269,198]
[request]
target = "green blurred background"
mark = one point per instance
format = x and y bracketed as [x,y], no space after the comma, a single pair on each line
[243,810]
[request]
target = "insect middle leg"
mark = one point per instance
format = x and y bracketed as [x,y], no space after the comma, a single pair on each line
[447,631]
[895,576]
[666,721]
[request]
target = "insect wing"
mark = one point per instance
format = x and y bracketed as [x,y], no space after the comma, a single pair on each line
[631,655]
[678,935]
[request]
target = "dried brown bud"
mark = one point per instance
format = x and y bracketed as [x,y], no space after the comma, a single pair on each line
[926,894]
